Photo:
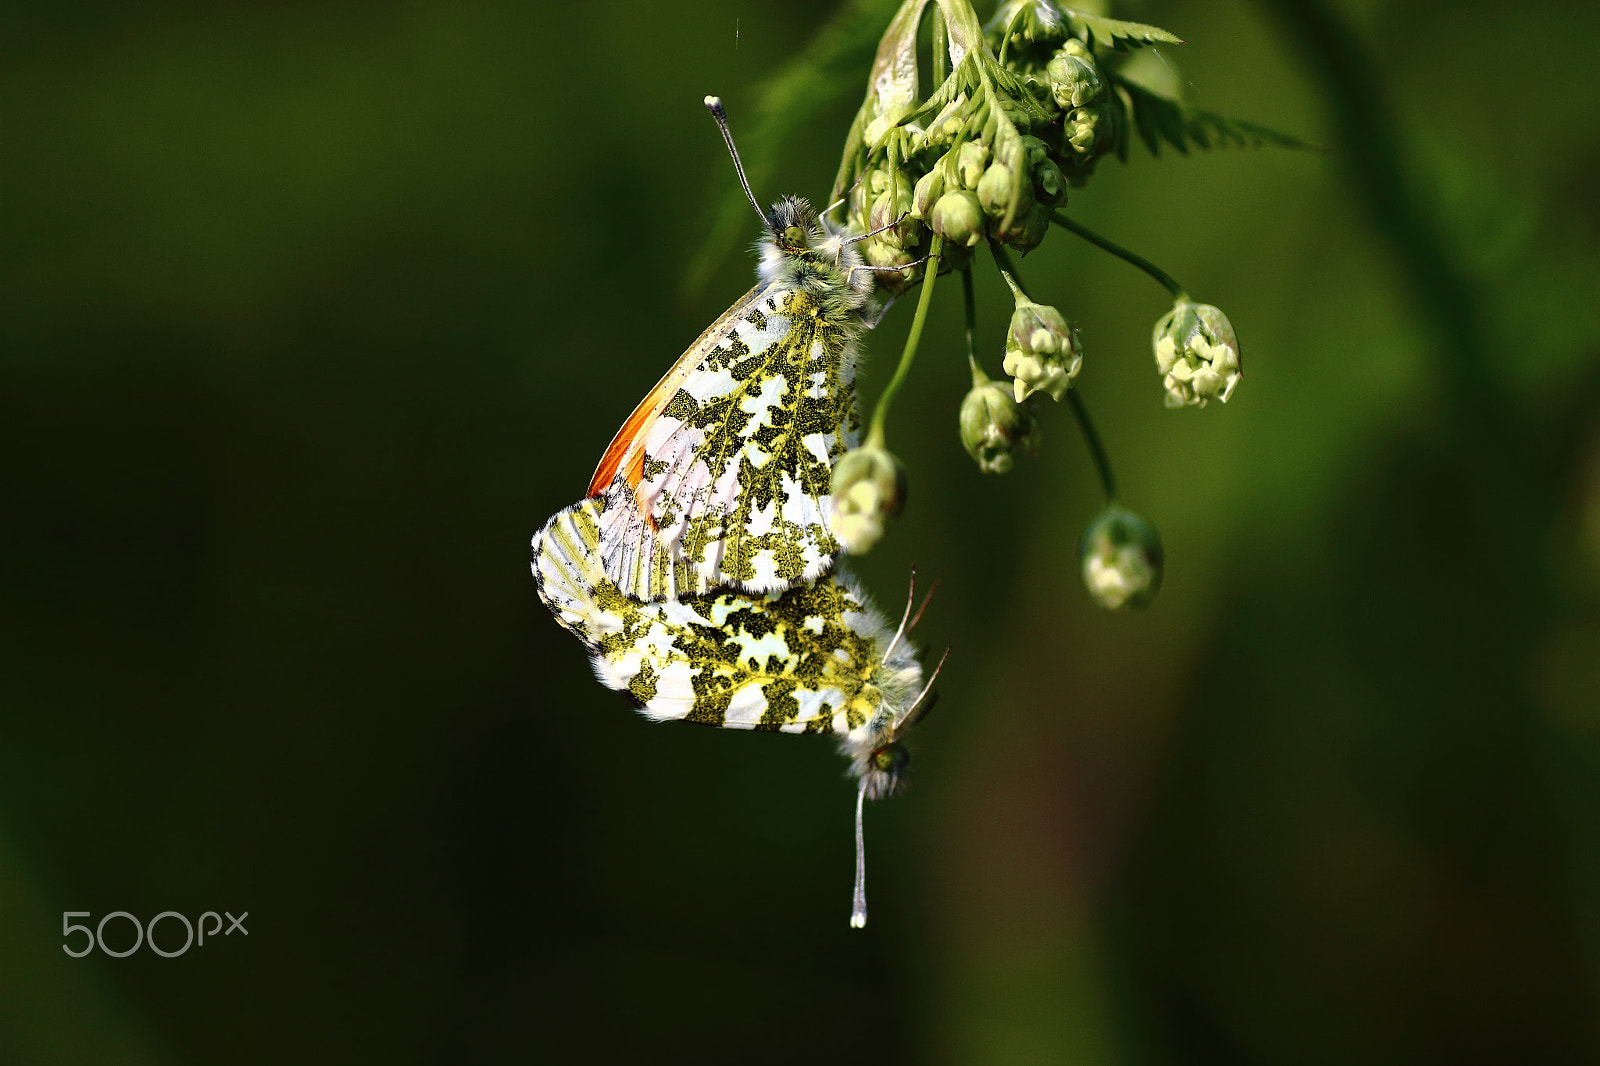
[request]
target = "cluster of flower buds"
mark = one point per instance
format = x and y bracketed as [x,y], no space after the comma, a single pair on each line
[1035,40]
[1197,354]
[1121,558]
[1025,111]
[1043,352]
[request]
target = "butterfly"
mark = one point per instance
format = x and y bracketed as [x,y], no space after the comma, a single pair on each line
[814,657]
[720,476]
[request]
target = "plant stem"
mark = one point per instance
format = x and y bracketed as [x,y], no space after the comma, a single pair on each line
[1121,253]
[972,313]
[1097,450]
[1002,259]
[881,412]
[979,378]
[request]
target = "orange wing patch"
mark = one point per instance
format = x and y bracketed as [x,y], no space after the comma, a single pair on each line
[638,424]
[632,430]
[719,477]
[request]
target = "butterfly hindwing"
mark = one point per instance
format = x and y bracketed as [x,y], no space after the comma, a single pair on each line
[813,658]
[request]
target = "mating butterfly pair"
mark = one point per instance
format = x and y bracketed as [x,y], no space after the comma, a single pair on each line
[699,572]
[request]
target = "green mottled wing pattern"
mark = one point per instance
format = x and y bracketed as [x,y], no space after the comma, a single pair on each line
[721,478]
[806,659]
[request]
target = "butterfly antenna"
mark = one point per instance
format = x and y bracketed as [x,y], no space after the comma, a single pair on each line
[858,912]
[714,105]
[925,601]
[913,715]
[911,597]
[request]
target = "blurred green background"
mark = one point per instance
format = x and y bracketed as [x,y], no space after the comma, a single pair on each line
[313,313]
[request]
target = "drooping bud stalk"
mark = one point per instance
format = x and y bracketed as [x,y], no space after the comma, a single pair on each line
[1027,22]
[994,426]
[1197,354]
[1122,559]
[869,486]
[1043,352]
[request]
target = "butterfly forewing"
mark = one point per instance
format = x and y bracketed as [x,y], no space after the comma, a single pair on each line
[720,478]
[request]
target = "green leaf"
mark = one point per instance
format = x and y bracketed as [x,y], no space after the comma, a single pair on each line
[1160,118]
[1114,33]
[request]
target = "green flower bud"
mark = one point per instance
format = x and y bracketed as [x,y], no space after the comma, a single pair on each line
[869,485]
[1197,354]
[1091,131]
[893,206]
[882,253]
[958,217]
[1074,76]
[1122,559]
[996,188]
[1042,351]
[1027,231]
[971,160]
[948,123]
[1034,151]
[1029,22]
[929,188]
[994,426]
[1016,111]
[1049,184]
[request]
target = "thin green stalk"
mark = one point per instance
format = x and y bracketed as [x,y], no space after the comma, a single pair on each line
[972,313]
[1121,253]
[941,48]
[1097,450]
[881,412]
[1002,259]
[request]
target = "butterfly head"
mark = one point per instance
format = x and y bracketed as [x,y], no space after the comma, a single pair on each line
[801,250]
[878,756]
[884,769]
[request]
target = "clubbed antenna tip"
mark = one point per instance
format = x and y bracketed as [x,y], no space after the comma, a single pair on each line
[714,105]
